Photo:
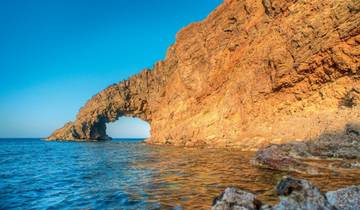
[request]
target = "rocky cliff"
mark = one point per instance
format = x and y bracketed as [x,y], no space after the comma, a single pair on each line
[254,72]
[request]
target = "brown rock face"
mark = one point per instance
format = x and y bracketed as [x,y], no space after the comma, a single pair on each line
[254,72]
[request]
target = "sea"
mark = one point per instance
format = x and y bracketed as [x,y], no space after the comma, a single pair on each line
[130,174]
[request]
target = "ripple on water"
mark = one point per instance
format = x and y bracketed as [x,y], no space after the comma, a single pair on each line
[131,175]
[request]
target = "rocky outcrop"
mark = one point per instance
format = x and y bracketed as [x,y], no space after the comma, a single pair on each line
[254,72]
[290,157]
[294,194]
[128,98]
[233,198]
[273,157]
[346,198]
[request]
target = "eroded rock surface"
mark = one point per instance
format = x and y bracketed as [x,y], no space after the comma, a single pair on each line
[254,72]
[295,194]
[290,156]
[347,198]
[233,198]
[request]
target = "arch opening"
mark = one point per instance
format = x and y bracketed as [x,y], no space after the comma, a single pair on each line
[128,128]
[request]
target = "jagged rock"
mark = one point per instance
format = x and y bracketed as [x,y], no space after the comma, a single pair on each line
[253,73]
[278,158]
[295,194]
[286,157]
[236,199]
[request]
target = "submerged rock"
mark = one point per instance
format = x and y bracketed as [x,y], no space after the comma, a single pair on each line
[295,194]
[275,157]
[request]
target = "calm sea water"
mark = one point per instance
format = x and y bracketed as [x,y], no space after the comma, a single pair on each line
[128,174]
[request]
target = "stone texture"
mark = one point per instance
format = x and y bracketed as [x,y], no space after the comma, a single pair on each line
[254,72]
[290,156]
[295,194]
[279,158]
[345,199]
[236,199]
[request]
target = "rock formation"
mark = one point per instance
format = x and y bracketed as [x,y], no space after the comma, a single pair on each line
[295,194]
[291,156]
[254,72]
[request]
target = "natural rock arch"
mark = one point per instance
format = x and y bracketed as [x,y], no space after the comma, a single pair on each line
[254,72]
[127,98]
[128,128]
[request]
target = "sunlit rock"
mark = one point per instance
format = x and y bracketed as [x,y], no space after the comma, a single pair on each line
[236,199]
[345,199]
[295,194]
[254,72]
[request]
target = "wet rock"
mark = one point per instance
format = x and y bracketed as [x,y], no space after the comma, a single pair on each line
[295,194]
[233,198]
[277,157]
[344,146]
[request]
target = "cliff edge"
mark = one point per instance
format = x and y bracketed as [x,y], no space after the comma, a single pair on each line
[254,72]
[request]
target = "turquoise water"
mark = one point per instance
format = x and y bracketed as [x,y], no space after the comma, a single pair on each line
[128,174]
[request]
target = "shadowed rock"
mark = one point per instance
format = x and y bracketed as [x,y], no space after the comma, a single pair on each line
[291,156]
[300,194]
[295,194]
[128,98]
[253,73]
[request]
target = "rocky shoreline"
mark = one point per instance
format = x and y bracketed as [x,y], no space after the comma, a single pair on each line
[294,194]
[292,156]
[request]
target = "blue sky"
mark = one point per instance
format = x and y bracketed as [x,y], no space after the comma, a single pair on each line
[54,55]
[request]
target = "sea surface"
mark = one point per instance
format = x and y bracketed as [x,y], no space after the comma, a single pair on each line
[129,174]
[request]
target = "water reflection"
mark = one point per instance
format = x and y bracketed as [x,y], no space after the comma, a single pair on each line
[191,177]
[132,175]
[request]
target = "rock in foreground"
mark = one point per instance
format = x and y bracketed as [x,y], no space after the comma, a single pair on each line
[295,194]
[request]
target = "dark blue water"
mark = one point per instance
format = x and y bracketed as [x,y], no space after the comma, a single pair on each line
[128,174]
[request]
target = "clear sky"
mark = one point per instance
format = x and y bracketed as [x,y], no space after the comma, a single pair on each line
[54,55]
